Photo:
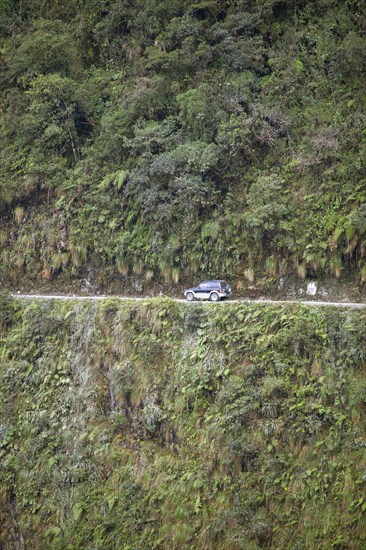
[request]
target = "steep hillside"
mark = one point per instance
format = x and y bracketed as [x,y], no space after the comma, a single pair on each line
[147,141]
[163,425]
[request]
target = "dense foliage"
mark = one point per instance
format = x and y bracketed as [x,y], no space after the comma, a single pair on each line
[160,425]
[168,137]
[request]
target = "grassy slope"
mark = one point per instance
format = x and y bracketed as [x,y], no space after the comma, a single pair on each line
[171,426]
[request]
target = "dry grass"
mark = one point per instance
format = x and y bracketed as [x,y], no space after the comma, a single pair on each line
[302,270]
[149,275]
[363,273]
[249,274]
[79,254]
[123,268]
[19,214]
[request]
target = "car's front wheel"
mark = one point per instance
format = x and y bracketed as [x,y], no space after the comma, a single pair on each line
[214,297]
[190,296]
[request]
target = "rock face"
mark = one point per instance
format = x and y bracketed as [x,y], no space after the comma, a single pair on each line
[161,424]
[10,535]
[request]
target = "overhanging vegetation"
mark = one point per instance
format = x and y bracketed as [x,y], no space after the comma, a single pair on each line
[164,138]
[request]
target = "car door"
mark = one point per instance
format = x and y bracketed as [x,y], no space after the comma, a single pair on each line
[213,286]
[202,292]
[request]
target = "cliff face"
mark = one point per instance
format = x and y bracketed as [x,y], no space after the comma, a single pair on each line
[148,142]
[162,425]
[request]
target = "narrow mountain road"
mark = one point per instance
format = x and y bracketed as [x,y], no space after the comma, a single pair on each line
[310,303]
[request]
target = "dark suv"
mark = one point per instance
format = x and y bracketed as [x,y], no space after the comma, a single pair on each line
[208,290]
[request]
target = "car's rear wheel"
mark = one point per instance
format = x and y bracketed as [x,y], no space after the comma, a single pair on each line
[190,296]
[214,297]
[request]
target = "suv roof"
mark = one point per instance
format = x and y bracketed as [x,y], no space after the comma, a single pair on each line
[214,281]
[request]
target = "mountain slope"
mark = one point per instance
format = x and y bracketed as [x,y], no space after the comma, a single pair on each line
[152,141]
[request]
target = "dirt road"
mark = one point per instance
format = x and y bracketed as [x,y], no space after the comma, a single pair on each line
[310,303]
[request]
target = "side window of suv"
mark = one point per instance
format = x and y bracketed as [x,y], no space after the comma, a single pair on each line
[214,286]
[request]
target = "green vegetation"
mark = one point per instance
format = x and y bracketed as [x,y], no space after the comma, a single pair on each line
[149,143]
[160,425]
[166,138]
